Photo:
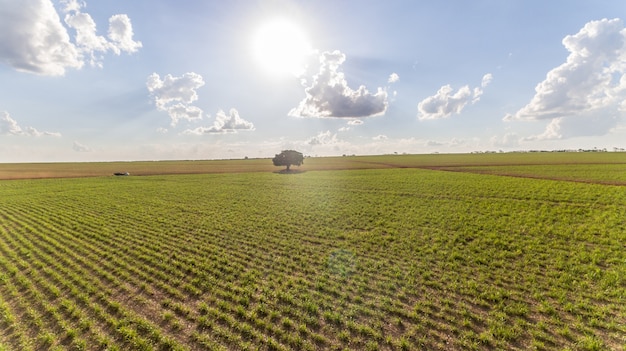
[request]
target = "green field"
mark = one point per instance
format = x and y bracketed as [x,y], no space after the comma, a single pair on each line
[415,252]
[569,162]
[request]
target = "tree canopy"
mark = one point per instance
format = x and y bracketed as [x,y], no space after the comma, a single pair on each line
[288,158]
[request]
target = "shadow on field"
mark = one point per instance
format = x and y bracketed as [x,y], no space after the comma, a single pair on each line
[293,171]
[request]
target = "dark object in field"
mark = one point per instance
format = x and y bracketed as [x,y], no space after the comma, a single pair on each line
[121,174]
[288,158]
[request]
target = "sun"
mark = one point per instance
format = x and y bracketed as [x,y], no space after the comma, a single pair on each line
[281,47]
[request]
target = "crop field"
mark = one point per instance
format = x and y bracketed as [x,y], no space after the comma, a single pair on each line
[430,252]
[570,163]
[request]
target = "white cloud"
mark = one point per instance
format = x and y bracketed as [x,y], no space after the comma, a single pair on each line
[394,77]
[380,137]
[585,95]
[487,78]
[575,126]
[230,123]
[351,123]
[78,147]
[9,126]
[330,96]
[121,34]
[175,95]
[180,111]
[33,38]
[553,131]
[87,41]
[323,138]
[447,102]
[444,103]
[72,5]
[478,91]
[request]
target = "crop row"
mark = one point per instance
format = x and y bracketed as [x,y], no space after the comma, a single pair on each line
[611,174]
[385,259]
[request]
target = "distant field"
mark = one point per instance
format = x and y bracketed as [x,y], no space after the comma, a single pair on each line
[424,252]
[520,164]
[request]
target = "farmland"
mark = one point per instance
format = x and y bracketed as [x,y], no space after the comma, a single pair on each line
[569,163]
[449,252]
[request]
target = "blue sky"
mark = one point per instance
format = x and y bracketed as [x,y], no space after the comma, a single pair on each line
[152,80]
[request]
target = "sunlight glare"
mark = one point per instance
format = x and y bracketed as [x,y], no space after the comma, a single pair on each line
[281,48]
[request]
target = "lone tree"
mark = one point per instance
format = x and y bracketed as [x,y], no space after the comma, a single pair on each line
[288,158]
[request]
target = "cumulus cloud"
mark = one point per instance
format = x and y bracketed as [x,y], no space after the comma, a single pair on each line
[330,96]
[444,103]
[86,38]
[175,95]
[323,138]
[121,35]
[585,95]
[394,77]
[447,102]
[9,126]
[33,39]
[380,137]
[224,123]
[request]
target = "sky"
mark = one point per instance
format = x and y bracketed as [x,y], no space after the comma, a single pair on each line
[124,80]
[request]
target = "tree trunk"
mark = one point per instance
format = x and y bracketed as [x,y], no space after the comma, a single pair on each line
[288,167]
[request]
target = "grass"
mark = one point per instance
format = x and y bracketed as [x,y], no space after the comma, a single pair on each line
[385,258]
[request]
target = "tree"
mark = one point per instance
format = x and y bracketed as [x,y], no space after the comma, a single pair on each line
[288,158]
